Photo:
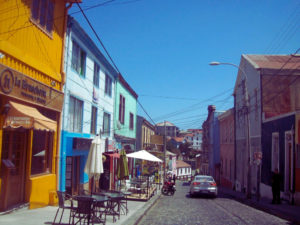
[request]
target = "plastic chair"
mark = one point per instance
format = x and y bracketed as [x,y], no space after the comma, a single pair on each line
[84,211]
[62,197]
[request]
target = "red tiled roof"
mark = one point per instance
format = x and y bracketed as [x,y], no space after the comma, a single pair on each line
[181,164]
[178,139]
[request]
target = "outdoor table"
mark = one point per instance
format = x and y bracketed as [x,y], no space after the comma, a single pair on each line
[98,203]
[114,202]
[99,208]
[126,194]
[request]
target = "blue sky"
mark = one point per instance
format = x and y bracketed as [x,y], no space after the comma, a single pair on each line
[163,48]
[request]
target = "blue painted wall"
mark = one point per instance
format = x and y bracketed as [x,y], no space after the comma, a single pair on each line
[67,150]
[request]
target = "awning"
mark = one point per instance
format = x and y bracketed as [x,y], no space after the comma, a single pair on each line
[114,155]
[27,117]
[143,154]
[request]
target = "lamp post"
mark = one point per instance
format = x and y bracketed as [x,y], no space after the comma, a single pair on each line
[246,110]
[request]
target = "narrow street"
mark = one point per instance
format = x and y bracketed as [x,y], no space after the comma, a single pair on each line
[181,209]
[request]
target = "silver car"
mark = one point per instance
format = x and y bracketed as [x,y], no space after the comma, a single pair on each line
[203,184]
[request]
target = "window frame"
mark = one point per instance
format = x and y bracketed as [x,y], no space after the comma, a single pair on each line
[78,60]
[42,15]
[96,77]
[131,121]
[108,85]
[275,151]
[72,126]
[106,117]
[94,117]
[122,103]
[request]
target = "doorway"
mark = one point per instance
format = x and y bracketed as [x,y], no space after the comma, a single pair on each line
[72,175]
[14,149]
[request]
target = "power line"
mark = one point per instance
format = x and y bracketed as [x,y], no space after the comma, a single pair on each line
[146,112]
[98,38]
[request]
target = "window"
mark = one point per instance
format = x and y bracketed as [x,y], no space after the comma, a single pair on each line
[275,151]
[122,109]
[96,74]
[42,12]
[131,121]
[78,59]
[94,120]
[108,84]
[106,124]
[75,114]
[42,151]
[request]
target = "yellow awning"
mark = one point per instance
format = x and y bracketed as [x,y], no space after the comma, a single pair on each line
[28,117]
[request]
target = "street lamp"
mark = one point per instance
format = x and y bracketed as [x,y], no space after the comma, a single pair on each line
[247,111]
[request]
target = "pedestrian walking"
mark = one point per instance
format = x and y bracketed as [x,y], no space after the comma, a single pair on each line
[174,179]
[276,180]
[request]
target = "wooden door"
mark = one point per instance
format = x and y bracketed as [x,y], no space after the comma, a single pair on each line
[72,175]
[14,151]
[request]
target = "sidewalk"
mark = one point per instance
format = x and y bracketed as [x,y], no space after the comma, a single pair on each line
[46,215]
[283,210]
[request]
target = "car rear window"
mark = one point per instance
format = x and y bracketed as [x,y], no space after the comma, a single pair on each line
[204,179]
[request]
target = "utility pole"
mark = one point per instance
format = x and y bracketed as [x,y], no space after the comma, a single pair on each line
[165,142]
[247,112]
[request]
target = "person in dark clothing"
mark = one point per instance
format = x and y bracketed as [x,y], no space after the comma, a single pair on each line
[174,179]
[276,180]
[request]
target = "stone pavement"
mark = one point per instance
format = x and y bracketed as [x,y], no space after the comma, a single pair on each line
[283,210]
[45,215]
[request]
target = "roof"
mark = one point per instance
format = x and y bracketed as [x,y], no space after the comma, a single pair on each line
[163,124]
[127,86]
[284,62]
[182,164]
[178,139]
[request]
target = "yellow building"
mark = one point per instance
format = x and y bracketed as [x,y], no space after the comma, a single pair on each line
[31,79]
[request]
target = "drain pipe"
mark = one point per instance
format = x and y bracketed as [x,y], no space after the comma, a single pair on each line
[63,80]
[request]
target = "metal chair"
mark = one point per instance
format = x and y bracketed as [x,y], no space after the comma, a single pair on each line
[84,210]
[62,197]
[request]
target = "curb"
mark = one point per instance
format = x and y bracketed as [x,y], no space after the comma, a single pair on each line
[256,205]
[136,218]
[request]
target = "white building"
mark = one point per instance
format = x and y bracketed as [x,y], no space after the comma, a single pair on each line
[184,170]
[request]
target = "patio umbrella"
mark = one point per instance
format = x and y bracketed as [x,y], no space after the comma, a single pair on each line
[123,172]
[94,165]
[144,155]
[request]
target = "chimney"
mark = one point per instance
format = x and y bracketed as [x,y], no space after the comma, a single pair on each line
[211,108]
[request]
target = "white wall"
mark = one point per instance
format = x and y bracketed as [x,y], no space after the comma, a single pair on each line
[82,88]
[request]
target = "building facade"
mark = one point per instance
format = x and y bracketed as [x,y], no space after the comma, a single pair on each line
[32,77]
[211,144]
[88,106]
[125,118]
[183,170]
[267,93]
[144,131]
[167,128]
[227,153]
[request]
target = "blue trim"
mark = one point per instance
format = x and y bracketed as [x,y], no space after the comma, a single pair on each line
[67,150]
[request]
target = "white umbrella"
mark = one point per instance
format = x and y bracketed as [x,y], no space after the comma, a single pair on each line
[144,155]
[94,165]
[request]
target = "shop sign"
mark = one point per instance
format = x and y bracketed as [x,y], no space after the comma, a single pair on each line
[19,121]
[21,86]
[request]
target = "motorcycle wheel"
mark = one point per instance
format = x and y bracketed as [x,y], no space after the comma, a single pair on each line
[164,191]
[172,192]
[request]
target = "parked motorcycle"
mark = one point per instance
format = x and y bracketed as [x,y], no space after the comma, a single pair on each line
[168,188]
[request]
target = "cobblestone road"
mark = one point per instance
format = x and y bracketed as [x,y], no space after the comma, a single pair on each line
[181,209]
